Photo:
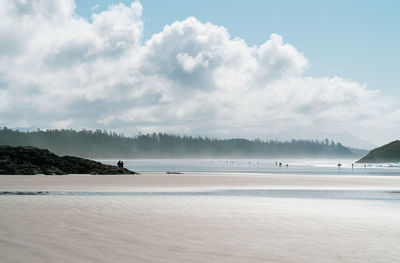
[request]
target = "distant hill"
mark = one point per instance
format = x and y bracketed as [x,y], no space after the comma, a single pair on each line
[389,153]
[102,144]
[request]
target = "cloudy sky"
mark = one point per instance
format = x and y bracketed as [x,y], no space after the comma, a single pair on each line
[232,69]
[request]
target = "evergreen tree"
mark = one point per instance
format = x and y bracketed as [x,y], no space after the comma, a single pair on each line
[104,144]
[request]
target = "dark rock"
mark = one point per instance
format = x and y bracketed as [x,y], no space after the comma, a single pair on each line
[389,153]
[32,160]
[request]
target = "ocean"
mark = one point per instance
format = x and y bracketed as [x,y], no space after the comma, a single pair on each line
[294,166]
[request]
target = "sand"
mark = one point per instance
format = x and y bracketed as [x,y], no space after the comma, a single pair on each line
[196,228]
[189,181]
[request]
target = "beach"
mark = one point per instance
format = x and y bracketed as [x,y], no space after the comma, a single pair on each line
[199,131]
[200,217]
[195,180]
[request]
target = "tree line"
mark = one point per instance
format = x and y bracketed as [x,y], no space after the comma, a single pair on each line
[105,144]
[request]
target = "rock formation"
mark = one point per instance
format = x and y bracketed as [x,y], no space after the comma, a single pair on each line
[32,160]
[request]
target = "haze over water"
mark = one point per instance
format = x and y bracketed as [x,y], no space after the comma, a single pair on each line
[301,166]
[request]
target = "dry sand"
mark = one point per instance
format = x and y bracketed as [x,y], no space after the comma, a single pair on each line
[196,228]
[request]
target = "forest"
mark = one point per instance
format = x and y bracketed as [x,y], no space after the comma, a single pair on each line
[106,144]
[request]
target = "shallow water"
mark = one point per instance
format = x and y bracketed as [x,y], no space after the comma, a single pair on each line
[295,166]
[375,195]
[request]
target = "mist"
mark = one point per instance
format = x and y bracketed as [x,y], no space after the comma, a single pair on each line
[100,144]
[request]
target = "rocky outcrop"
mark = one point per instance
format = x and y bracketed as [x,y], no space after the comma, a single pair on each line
[389,153]
[32,160]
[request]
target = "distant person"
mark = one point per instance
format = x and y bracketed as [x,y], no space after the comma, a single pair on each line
[122,164]
[276,163]
[280,164]
[287,165]
[352,166]
[339,165]
[119,163]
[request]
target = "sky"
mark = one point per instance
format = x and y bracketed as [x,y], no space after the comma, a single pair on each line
[253,69]
[355,39]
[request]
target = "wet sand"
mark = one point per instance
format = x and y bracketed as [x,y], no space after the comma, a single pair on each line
[189,181]
[196,228]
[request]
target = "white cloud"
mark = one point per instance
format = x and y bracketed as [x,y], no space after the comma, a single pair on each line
[59,70]
[189,63]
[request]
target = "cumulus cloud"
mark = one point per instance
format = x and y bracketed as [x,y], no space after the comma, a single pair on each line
[59,70]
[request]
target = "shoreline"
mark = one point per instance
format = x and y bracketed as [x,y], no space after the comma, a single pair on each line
[195,180]
[164,226]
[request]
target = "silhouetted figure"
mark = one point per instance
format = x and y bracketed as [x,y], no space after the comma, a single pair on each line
[287,165]
[120,164]
[276,163]
[339,165]
[280,164]
[352,166]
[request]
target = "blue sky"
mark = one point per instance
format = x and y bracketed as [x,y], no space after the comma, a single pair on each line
[357,40]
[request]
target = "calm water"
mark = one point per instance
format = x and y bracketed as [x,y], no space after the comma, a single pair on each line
[296,166]
[377,195]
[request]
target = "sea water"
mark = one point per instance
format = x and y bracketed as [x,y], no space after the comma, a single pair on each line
[292,166]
